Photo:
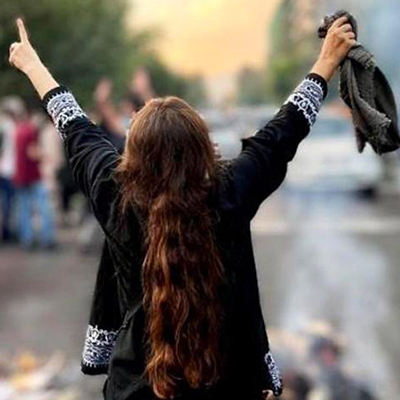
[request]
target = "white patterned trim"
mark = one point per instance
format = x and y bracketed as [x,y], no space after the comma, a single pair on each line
[99,344]
[276,378]
[308,97]
[63,108]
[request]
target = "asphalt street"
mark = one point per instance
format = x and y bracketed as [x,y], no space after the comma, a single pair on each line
[326,256]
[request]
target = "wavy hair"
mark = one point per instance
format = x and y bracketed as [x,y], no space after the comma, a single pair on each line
[168,170]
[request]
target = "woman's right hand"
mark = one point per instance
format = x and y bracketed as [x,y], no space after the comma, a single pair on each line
[22,55]
[337,44]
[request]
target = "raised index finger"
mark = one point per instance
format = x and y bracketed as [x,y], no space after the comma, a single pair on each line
[23,35]
[340,21]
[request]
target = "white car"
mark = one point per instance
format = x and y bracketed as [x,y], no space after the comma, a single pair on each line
[227,128]
[329,159]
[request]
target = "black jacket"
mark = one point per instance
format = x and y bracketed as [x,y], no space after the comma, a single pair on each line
[115,343]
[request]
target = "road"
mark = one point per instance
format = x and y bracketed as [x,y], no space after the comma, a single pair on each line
[321,256]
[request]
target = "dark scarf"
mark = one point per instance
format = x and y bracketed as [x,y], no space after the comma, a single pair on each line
[366,91]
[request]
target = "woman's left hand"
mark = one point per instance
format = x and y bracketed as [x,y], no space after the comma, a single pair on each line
[22,55]
[337,44]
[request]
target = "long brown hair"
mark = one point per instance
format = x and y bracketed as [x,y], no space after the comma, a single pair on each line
[167,170]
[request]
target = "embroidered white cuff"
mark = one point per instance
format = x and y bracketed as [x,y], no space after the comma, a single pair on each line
[308,97]
[63,108]
[275,375]
[99,344]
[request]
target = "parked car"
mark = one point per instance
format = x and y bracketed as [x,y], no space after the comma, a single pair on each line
[328,159]
[228,128]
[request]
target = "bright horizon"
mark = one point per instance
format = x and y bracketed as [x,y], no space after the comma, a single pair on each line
[214,38]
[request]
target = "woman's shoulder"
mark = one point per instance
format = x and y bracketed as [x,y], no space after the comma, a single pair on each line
[223,193]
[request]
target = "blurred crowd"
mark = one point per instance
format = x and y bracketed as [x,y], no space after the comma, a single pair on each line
[27,160]
[37,190]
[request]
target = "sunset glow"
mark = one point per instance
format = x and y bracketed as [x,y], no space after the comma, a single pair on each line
[212,37]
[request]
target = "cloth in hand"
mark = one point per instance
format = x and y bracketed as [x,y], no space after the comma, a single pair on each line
[366,91]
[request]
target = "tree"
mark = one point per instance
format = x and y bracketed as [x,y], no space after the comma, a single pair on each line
[293,48]
[196,92]
[81,41]
[168,83]
[251,87]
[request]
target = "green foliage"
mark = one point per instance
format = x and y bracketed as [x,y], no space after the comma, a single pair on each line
[81,41]
[293,49]
[284,73]
[165,82]
[196,93]
[251,87]
[168,83]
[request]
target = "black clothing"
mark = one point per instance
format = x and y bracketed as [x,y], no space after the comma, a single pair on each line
[114,342]
[366,91]
[67,184]
[117,140]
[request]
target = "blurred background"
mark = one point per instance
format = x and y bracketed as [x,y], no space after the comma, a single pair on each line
[327,243]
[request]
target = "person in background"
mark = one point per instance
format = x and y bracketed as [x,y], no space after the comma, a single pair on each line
[52,156]
[331,381]
[141,86]
[68,189]
[115,124]
[31,192]
[116,120]
[8,108]
[297,386]
[110,117]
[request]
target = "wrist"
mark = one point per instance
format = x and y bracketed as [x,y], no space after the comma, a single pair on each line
[33,67]
[325,67]
[41,78]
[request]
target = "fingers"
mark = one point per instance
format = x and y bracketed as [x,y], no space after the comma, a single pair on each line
[345,32]
[268,395]
[13,47]
[352,43]
[217,151]
[350,35]
[350,40]
[346,28]
[339,22]
[23,35]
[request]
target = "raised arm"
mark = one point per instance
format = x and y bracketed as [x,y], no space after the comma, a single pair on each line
[24,57]
[261,166]
[91,155]
[106,109]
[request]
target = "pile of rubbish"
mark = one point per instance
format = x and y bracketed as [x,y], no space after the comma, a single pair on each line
[28,377]
[314,366]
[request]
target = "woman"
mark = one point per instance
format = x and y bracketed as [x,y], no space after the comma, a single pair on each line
[178,232]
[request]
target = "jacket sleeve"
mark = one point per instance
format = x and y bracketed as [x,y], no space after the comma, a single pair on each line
[90,153]
[262,164]
[106,318]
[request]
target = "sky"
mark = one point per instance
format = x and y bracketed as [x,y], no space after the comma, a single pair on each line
[212,37]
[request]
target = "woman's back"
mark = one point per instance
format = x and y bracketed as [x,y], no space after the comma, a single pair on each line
[245,344]
[214,340]
[119,339]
